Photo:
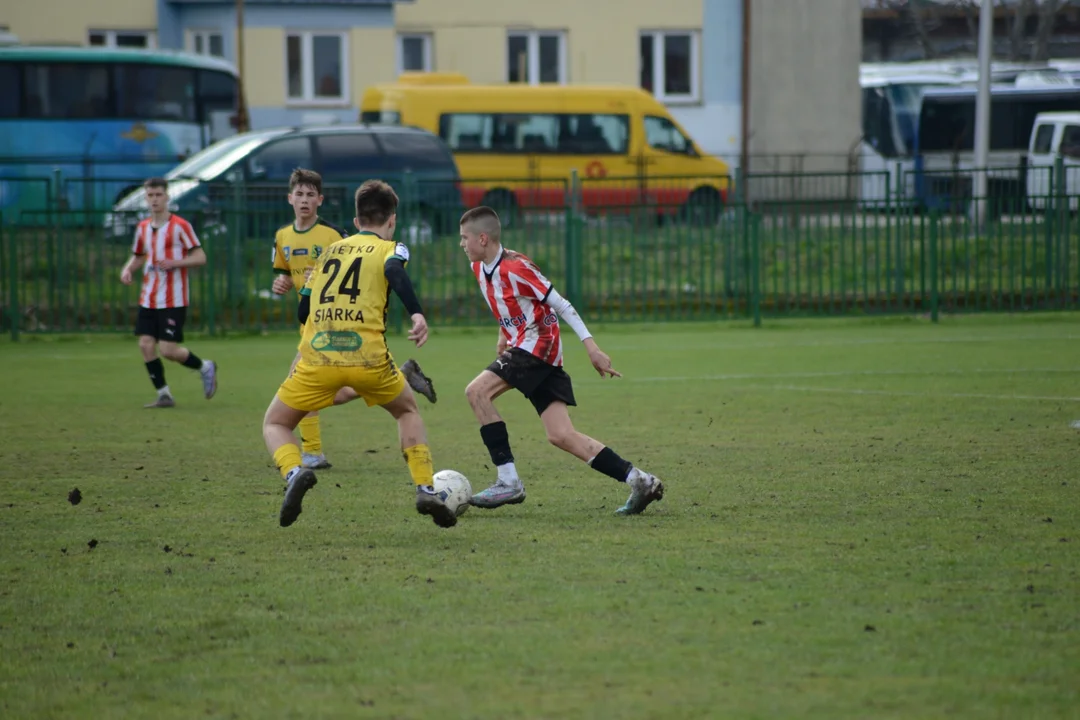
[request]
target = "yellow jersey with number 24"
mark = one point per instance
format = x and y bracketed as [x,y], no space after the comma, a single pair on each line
[349,296]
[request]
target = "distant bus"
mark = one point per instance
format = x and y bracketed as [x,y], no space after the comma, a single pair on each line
[517,146]
[918,126]
[100,120]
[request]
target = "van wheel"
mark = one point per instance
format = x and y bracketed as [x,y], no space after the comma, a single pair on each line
[504,203]
[125,192]
[703,207]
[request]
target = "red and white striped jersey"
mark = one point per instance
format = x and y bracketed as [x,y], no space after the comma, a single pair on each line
[164,288]
[516,291]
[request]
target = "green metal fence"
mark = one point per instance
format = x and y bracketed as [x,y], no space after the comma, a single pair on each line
[59,271]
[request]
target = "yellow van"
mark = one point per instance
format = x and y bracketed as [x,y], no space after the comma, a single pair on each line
[516,146]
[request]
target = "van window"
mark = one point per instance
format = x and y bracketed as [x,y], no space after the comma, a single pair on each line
[348,156]
[536,133]
[416,152]
[661,134]
[276,161]
[1070,142]
[380,117]
[1044,139]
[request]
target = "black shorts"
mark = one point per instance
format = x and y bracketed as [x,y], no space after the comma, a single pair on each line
[165,324]
[541,383]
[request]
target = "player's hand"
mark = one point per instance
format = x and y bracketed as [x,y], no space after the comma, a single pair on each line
[500,348]
[307,272]
[601,362]
[419,331]
[125,276]
[282,284]
[166,264]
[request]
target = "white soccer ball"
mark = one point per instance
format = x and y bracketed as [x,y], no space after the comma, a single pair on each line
[454,489]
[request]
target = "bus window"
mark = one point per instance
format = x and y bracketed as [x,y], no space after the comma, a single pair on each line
[536,133]
[877,124]
[155,92]
[63,91]
[10,98]
[276,161]
[661,134]
[217,92]
[1070,142]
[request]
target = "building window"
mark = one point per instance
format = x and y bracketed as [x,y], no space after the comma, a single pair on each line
[317,67]
[669,65]
[121,39]
[536,56]
[414,53]
[206,42]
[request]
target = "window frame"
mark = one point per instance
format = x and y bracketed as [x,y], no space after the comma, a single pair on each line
[532,54]
[659,90]
[447,118]
[110,37]
[429,53]
[307,69]
[191,34]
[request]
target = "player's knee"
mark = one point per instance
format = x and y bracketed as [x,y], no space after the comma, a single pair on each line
[146,343]
[474,393]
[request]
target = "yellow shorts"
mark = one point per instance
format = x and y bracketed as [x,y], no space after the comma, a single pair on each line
[313,387]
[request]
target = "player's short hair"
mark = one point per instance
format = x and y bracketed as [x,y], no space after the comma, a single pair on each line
[156,182]
[376,201]
[303,176]
[484,219]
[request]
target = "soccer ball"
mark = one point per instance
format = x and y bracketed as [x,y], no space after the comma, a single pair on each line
[454,489]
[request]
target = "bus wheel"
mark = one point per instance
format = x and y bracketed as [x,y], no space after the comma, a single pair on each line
[703,207]
[504,203]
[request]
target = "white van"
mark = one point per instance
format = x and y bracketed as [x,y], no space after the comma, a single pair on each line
[1054,134]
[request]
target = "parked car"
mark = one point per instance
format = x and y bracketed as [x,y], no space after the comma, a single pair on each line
[250,172]
[1054,135]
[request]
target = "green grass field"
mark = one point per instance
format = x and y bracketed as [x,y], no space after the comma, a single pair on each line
[864,519]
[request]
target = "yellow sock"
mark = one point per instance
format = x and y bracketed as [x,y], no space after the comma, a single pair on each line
[287,458]
[419,459]
[311,435]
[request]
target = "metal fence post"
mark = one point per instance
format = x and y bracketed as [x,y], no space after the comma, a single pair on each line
[934,226]
[755,269]
[13,280]
[573,247]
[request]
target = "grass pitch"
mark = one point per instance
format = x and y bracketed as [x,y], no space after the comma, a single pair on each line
[863,519]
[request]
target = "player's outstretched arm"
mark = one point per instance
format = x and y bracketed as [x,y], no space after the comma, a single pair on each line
[566,311]
[195,257]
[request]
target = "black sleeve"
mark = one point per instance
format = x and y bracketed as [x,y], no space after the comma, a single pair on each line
[402,285]
[303,309]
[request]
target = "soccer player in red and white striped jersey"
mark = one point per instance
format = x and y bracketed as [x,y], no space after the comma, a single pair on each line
[529,359]
[167,246]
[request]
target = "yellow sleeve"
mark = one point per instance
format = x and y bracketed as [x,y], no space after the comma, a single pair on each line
[281,263]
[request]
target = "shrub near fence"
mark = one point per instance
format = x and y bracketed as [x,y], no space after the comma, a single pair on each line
[60,270]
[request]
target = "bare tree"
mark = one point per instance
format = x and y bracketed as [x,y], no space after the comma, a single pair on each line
[922,22]
[1040,48]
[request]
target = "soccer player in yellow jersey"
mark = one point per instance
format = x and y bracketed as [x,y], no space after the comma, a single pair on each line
[296,248]
[343,308]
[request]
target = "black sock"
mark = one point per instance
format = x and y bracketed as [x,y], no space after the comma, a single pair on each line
[157,372]
[609,463]
[498,442]
[192,361]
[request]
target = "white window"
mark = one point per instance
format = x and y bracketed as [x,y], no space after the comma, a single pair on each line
[670,67]
[121,38]
[414,53]
[317,67]
[536,56]
[206,42]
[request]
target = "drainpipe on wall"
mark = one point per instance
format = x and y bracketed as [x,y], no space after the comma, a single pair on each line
[241,106]
[744,155]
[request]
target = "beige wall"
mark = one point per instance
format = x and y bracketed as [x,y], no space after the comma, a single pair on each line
[372,58]
[67,21]
[602,35]
[264,66]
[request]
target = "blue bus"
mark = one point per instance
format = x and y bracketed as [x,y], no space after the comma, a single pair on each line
[79,127]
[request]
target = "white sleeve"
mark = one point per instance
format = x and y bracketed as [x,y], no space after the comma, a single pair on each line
[569,315]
